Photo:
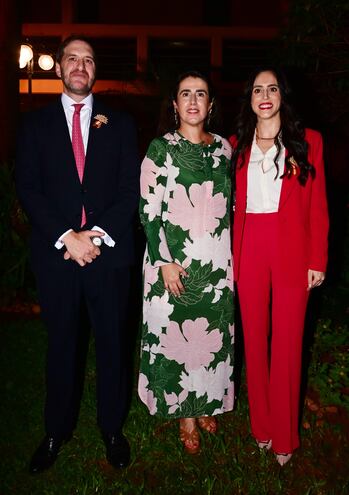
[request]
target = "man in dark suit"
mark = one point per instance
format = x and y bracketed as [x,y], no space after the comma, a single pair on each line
[77,175]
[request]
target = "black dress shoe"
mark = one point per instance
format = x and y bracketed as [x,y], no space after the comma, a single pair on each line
[117,449]
[46,454]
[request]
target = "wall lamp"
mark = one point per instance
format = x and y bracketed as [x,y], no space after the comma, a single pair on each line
[26,59]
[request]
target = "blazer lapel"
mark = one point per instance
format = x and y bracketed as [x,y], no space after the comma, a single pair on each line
[94,141]
[58,133]
[288,184]
[60,128]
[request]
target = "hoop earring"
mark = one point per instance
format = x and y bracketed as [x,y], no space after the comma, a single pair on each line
[176,118]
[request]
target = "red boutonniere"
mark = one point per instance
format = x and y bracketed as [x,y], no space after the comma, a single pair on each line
[294,169]
[99,120]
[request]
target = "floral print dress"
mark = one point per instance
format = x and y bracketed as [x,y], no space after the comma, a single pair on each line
[186,367]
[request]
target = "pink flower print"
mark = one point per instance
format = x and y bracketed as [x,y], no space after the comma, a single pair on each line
[149,172]
[212,382]
[170,398]
[198,213]
[175,401]
[232,332]
[151,275]
[172,138]
[229,397]
[215,249]
[218,289]
[164,250]
[153,351]
[194,347]
[230,276]
[156,313]
[226,149]
[146,395]
[154,202]
[182,396]
[172,172]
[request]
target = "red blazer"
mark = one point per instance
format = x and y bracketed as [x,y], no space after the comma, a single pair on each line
[302,221]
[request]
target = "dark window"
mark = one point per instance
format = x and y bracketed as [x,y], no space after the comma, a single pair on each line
[40,11]
[116,58]
[167,58]
[241,57]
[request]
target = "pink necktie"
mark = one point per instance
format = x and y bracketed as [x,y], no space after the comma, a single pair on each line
[78,148]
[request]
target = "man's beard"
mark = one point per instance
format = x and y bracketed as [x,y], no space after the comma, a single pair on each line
[81,89]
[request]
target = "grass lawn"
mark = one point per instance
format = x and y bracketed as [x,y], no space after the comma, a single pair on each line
[229,462]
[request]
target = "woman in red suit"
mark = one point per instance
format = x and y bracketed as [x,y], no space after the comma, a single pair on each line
[280,251]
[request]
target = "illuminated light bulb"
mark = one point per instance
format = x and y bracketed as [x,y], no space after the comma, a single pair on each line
[45,62]
[25,56]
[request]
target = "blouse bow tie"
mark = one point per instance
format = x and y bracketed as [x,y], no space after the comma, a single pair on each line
[266,164]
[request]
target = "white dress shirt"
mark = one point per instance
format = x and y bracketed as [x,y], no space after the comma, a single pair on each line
[263,190]
[85,120]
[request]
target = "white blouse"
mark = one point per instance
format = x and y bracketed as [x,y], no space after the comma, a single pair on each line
[263,190]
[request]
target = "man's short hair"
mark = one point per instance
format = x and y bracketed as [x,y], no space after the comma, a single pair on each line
[70,39]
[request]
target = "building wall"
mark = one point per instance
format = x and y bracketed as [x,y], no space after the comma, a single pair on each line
[159,12]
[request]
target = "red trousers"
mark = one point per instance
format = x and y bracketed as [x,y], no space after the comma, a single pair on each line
[273,361]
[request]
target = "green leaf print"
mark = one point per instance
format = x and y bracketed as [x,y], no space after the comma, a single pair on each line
[185,158]
[174,235]
[189,299]
[157,151]
[197,281]
[167,372]
[194,406]
[157,289]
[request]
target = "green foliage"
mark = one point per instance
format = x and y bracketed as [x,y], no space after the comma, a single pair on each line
[14,272]
[329,368]
[316,35]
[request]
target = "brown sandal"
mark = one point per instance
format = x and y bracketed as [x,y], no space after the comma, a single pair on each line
[208,423]
[190,439]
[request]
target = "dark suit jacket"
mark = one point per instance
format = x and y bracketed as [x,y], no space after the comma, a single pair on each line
[50,191]
[302,219]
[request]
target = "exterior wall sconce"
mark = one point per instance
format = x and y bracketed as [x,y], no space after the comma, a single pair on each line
[26,59]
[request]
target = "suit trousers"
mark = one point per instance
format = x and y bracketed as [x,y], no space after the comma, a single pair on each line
[65,290]
[273,351]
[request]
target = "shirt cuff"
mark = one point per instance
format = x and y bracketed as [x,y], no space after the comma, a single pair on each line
[109,241]
[59,244]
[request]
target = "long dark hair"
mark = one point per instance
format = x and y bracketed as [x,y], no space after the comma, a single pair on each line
[291,132]
[167,121]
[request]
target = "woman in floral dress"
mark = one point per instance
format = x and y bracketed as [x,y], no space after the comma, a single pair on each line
[186,368]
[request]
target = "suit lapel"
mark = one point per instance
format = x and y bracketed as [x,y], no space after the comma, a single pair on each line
[61,141]
[94,141]
[60,128]
[287,187]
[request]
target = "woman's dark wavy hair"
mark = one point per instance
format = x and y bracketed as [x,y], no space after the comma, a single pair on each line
[291,132]
[167,122]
